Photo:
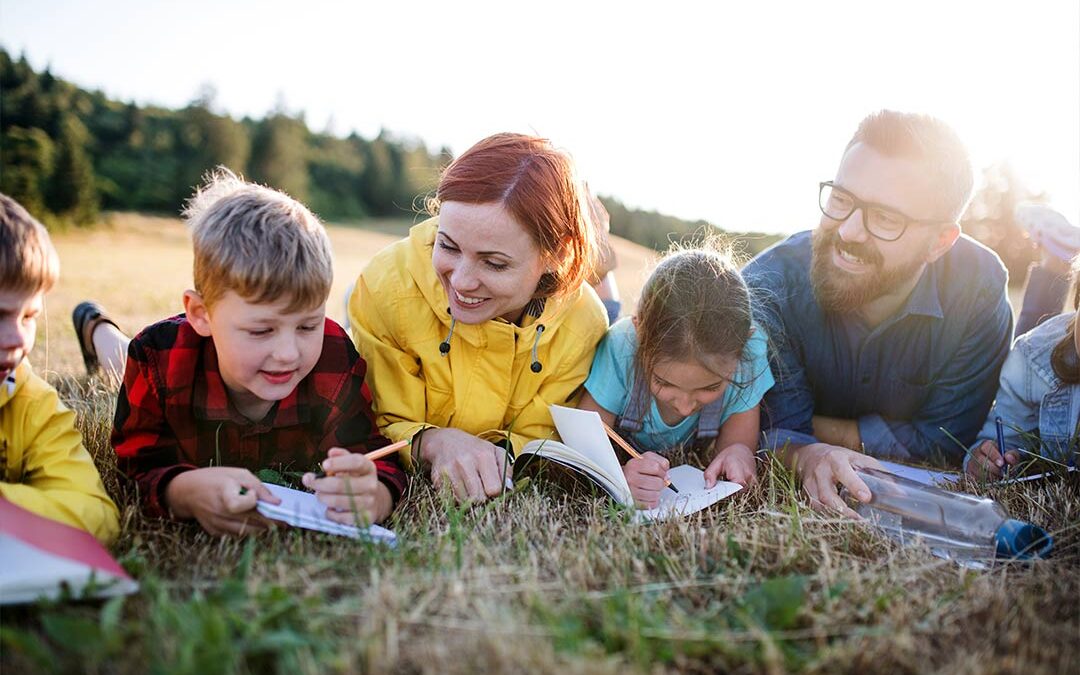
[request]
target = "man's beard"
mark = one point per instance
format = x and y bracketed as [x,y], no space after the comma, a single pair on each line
[837,290]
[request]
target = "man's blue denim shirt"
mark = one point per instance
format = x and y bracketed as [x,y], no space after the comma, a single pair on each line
[932,366]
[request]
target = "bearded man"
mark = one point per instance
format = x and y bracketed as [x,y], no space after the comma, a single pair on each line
[888,327]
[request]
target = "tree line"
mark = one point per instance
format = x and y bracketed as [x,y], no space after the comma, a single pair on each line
[67,153]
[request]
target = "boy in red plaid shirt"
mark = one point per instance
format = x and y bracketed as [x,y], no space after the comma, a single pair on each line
[252,375]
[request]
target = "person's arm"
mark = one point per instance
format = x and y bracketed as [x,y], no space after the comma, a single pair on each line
[59,479]
[957,401]
[838,431]
[1044,295]
[350,428]
[474,468]
[397,388]
[735,449]
[146,449]
[1020,391]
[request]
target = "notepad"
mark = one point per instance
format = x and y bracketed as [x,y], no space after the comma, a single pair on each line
[586,449]
[304,510]
[41,558]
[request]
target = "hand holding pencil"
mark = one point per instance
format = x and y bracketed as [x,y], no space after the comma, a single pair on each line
[645,473]
[349,485]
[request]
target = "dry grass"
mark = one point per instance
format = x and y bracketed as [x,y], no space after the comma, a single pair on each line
[535,580]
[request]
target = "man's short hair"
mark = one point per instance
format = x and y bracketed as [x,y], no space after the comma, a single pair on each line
[28,261]
[259,243]
[926,139]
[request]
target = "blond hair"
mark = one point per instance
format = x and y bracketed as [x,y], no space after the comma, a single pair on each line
[258,242]
[28,261]
[927,140]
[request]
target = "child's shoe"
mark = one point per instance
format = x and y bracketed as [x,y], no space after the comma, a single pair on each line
[85,318]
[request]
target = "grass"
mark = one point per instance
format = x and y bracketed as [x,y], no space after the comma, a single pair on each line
[535,580]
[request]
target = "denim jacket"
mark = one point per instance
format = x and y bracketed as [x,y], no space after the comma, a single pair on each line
[1038,410]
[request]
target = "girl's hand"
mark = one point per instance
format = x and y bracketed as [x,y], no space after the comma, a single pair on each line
[987,462]
[474,468]
[351,488]
[736,463]
[221,498]
[647,475]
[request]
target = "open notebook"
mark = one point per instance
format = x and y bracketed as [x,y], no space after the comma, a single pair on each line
[41,558]
[303,509]
[586,449]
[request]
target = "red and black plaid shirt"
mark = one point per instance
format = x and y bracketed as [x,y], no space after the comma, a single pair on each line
[174,414]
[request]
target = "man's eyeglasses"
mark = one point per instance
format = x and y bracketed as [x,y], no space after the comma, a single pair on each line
[880,221]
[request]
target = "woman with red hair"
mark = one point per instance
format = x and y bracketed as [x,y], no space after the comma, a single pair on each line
[482,317]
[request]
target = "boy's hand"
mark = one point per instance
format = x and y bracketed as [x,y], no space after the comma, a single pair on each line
[476,469]
[987,462]
[221,498]
[736,463]
[646,476]
[351,489]
[821,466]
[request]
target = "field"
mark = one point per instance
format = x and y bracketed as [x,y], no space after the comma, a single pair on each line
[534,581]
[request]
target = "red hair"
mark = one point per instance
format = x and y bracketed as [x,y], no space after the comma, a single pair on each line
[538,185]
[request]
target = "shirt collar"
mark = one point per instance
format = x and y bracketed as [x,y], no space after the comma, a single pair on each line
[924,298]
[211,398]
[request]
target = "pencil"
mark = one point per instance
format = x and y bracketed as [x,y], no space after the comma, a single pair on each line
[373,455]
[631,451]
[999,423]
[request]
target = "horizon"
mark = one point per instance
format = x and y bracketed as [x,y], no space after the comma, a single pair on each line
[640,97]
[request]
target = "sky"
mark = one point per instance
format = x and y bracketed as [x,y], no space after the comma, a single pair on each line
[728,112]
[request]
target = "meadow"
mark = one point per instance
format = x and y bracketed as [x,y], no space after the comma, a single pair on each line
[536,580]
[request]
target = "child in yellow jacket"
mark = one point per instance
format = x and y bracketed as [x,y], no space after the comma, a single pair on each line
[46,469]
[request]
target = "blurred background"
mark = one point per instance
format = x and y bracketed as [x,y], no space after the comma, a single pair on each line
[682,117]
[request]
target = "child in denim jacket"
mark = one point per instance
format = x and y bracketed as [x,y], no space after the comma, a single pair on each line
[1038,397]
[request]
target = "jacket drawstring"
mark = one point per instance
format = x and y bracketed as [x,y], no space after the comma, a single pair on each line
[536,366]
[444,346]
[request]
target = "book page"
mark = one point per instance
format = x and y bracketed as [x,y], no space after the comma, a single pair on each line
[583,431]
[918,474]
[692,496]
[304,510]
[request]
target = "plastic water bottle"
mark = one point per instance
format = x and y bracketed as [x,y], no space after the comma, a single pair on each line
[971,530]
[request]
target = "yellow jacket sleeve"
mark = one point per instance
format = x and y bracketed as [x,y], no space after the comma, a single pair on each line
[393,375]
[59,479]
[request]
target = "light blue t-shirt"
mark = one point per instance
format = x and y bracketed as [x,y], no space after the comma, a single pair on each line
[611,383]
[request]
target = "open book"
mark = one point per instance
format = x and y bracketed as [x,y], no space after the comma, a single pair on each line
[303,509]
[585,448]
[41,558]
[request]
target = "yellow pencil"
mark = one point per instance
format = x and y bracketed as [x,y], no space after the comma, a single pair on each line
[373,455]
[631,451]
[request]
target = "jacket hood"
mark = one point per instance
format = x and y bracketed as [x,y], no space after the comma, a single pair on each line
[418,263]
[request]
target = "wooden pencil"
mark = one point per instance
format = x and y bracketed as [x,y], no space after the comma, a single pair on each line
[373,455]
[631,451]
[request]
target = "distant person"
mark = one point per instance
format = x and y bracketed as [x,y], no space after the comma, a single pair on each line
[689,367]
[253,375]
[481,318]
[889,326]
[46,468]
[603,280]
